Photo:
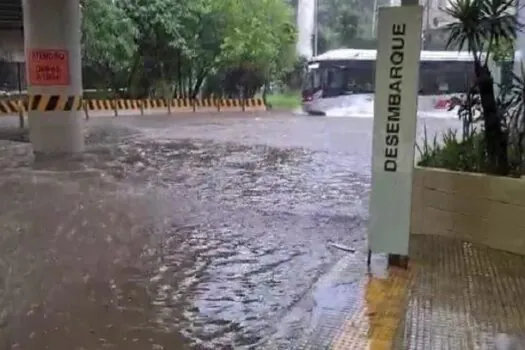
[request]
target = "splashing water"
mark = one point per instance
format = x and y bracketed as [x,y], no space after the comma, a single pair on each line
[305,25]
[362,106]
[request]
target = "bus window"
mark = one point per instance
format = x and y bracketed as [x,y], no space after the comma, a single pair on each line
[332,78]
[444,77]
[336,78]
[358,77]
[443,86]
[312,80]
[316,79]
[312,84]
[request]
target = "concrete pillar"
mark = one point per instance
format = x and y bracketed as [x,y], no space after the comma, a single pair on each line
[54,75]
[520,39]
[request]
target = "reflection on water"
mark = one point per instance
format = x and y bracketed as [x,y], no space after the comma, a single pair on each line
[145,244]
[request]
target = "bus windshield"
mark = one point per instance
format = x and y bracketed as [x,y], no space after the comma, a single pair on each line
[312,80]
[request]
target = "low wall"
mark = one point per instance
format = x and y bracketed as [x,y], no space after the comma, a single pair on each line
[477,208]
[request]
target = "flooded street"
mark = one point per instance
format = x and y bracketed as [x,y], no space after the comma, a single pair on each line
[198,231]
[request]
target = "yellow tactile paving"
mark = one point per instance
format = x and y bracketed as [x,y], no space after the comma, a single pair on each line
[455,295]
[375,326]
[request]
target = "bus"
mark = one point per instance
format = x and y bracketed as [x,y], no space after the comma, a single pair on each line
[346,77]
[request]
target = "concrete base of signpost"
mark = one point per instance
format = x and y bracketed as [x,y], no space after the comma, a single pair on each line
[395,260]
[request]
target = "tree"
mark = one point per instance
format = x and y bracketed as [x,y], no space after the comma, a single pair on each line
[257,32]
[482,27]
[346,23]
[161,42]
[259,42]
[208,25]
[347,26]
[167,47]
[108,42]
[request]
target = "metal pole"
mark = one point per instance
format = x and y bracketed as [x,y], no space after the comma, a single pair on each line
[316,27]
[20,101]
[374,19]
[519,44]
[21,110]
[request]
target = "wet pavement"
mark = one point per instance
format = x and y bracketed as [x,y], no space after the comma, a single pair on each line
[455,295]
[213,231]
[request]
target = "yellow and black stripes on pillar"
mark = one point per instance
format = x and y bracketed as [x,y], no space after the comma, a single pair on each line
[58,103]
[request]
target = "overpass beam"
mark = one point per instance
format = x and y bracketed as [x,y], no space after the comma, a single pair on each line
[54,74]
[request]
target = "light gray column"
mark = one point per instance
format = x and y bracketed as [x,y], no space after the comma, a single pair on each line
[520,38]
[55,25]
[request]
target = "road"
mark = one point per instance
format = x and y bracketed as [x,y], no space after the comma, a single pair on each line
[191,231]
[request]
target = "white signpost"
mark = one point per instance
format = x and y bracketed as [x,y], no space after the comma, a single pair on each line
[395,120]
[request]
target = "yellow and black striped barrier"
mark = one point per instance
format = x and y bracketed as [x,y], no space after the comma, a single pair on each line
[182,105]
[254,104]
[56,103]
[99,105]
[206,105]
[49,103]
[11,107]
[128,104]
[231,105]
[155,104]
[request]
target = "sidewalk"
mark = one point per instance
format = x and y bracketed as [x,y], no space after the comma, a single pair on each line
[454,296]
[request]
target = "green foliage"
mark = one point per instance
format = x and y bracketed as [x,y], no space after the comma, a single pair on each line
[166,47]
[347,23]
[503,51]
[108,45]
[453,152]
[486,28]
[286,101]
[293,78]
[482,26]
[468,151]
[259,34]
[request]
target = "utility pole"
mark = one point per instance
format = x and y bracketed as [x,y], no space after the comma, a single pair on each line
[374,19]
[316,27]
[428,4]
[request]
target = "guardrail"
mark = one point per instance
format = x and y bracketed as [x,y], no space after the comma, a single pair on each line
[48,103]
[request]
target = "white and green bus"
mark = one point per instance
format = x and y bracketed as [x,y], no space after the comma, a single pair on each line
[345,79]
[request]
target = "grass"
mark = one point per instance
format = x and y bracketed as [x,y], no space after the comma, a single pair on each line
[286,100]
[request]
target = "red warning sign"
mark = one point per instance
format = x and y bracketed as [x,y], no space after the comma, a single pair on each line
[48,67]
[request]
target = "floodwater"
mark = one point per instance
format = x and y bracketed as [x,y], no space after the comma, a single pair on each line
[178,232]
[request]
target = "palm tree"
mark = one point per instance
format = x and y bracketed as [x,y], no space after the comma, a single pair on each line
[481,27]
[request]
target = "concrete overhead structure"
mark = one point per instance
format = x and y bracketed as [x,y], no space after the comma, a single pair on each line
[54,73]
